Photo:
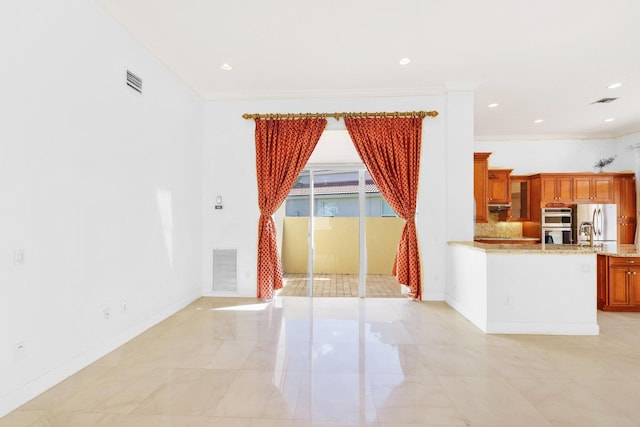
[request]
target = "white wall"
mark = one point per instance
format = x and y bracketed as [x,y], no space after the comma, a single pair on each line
[628,150]
[565,155]
[100,187]
[229,156]
[467,283]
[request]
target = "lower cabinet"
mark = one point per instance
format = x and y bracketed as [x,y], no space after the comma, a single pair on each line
[619,288]
[602,266]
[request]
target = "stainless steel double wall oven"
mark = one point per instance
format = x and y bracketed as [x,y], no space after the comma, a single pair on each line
[556,225]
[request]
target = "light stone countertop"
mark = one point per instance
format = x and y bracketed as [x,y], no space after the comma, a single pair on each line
[612,249]
[507,238]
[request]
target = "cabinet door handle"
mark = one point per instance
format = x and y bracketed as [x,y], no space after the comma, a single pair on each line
[628,272]
[630,261]
[634,272]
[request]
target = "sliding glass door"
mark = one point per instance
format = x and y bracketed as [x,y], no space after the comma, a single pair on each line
[340,235]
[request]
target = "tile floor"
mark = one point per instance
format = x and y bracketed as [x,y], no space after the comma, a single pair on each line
[301,361]
[341,285]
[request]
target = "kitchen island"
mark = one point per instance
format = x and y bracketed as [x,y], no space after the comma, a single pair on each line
[527,289]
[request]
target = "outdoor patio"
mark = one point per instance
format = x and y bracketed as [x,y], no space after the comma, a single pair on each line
[341,285]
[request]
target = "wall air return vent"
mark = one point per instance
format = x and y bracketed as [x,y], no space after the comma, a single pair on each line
[134,82]
[225,263]
[604,100]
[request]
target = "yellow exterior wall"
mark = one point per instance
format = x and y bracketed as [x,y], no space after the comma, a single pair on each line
[383,235]
[295,246]
[336,244]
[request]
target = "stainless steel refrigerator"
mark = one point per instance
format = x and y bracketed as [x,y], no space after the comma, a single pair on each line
[604,218]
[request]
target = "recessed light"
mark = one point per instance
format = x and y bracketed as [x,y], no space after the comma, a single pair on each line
[609,120]
[494,105]
[404,61]
[538,121]
[226,67]
[614,85]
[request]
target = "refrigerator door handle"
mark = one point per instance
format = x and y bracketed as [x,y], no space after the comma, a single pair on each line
[594,222]
[600,222]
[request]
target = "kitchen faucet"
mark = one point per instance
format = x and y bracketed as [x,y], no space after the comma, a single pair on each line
[587,227]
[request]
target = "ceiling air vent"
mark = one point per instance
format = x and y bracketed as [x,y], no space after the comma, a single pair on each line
[604,100]
[134,82]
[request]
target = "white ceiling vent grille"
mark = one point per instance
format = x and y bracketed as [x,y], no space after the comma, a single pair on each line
[225,270]
[134,82]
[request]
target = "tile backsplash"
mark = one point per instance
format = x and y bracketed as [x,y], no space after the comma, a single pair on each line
[496,228]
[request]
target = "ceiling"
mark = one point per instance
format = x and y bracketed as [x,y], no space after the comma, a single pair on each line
[538,60]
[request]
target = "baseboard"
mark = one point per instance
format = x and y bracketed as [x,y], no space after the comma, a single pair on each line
[433,296]
[543,328]
[468,314]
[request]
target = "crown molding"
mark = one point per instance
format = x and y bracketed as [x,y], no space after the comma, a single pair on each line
[319,94]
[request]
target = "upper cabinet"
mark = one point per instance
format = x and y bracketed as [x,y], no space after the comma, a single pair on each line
[625,196]
[556,188]
[480,185]
[596,188]
[499,186]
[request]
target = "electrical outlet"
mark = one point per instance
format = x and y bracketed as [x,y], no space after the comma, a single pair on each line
[106,313]
[124,307]
[18,257]
[20,351]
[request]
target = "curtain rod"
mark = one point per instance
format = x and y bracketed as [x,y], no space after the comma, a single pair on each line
[337,116]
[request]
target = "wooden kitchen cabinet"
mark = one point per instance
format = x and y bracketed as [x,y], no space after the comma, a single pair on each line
[621,284]
[480,185]
[618,293]
[556,188]
[564,189]
[602,264]
[546,190]
[499,186]
[591,188]
[625,197]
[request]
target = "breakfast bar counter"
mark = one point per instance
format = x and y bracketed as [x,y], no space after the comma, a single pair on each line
[527,289]
[612,249]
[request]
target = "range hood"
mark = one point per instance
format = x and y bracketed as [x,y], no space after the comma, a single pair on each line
[499,207]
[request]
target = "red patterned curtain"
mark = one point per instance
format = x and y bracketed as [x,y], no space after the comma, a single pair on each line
[283,148]
[390,149]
